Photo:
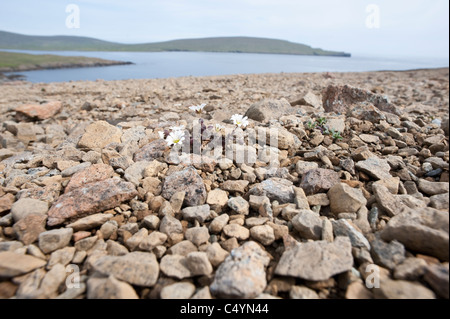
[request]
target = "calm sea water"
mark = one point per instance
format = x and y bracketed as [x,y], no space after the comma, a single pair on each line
[175,64]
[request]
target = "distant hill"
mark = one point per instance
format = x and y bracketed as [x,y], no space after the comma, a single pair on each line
[14,41]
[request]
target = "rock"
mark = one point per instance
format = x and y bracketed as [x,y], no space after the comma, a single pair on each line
[268,109]
[387,255]
[239,205]
[429,226]
[301,292]
[12,264]
[175,266]
[327,231]
[301,201]
[11,246]
[263,234]
[217,199]
[445,126]
[237,231]
[135,173]
[301,167]
[199,264]
[152,185]
[344,199]
[199,213]
[179,290]
[135,268]
[242,274]
[28,206]
[275,188]
[432,188]
[151,222]
[202,293]
[342,227]
[357,290]
[197,235]
[90,222]
[55,239]
[109,288]
[218,223]
[28,229]
[75,169]
[134,241]
[319,180]
[235,186]
[440,201]
[388,202]
[410,269]
[189,182]
[216,254]
[92,174]
[7,289]
[170,225]
[437,277]
[40,111]
[154,168]
[317,260]
[154,239]
[375,167]
[318,200]
[5,153]
[183,248]
[308,224]
[151,151]
[99,134]
[400,289]
[309,99]
[341,99]
[6,202]
[91,199]
[176,201]
[53,280]
[61,256]
[369,138]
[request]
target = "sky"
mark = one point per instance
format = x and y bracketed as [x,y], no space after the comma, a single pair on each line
[400,28]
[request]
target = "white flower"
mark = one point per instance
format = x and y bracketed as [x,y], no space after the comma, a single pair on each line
[161,134]
[177,128]
[239,120]
[219,128]
[175,138]
[197,108]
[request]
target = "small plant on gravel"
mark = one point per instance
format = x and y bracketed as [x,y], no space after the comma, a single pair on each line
[240,120]
[198,108]
[336,135]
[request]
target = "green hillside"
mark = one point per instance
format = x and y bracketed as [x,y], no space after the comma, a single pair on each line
[15,41]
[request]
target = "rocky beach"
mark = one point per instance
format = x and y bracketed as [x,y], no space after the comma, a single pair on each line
[352,203]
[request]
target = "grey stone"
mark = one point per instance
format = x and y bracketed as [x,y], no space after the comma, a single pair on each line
[308,224]
[198,213]
[375,167]
[55,239]
[342,227]
[28,206]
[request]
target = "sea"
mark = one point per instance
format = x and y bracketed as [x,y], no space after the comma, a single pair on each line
[153,65]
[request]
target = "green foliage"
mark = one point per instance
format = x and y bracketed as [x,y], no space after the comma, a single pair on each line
[320,124]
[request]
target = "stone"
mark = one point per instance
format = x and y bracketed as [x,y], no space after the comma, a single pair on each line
[410,269]
[202,293]
[301,167]
[12,264]
[154,168]
[13,246]
[375,167]
[217,199]
[197,235]
[336,125]
[179,290]
[134,241]
[268,109]
[109,288]
[342,227]
[309,99]
[151,151]
[55,239]
[135,268]
[197,213]
[90,199]
[301,292]
[357,290]
[432,188]
[28,229]
[440,201]
[154,239]
[135,172]
[170,225]
[236,231]
[437,277]
[344,199]
[388,202]
[216,254]
[151,222]
[75,169]
[392,184]
[400,289]
[113,248]
[263,234]
[239,205]
[387,255]
[92,174]
[176,201]
[40,111]
[5,153]
[429,226]
[7,289]
[152,185]
[28,206]
[308,224]
[274,188]
[316,261]
[327,231]
[242,274]
[218,223]
[369,138]
[183,248]
[189,182]
[319,180]
[99,134]
[199,264]
[318,200]
[90,222]
[6,202]
[235,186]
[175,266]
[300,198]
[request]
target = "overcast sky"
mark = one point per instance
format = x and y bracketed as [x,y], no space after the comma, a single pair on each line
[406,27]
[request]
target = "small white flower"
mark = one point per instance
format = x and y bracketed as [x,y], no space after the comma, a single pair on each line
[197,108]
[161,134]
[239,120]
[219,128]
[177,128]
[175,138]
